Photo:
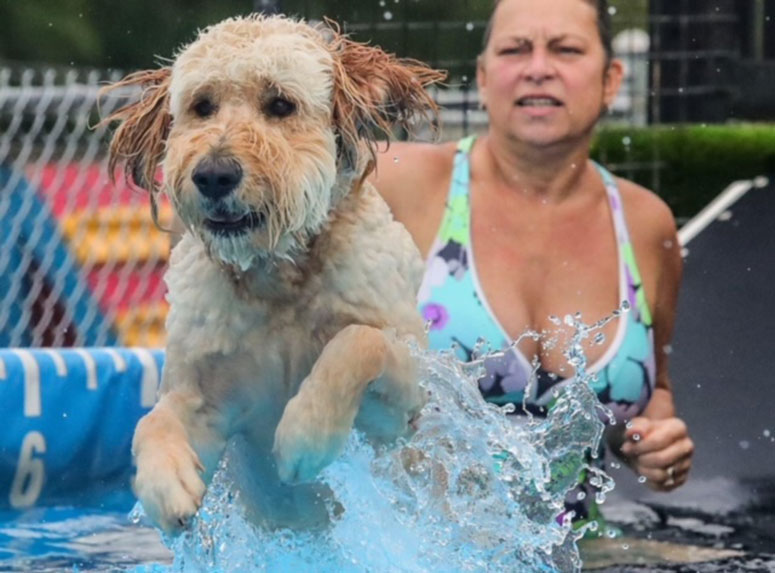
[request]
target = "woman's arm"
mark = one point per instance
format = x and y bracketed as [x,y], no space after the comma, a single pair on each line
[656,444]
[670,269]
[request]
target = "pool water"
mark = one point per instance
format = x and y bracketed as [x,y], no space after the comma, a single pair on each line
[657,539]
[76,539]
[468,492]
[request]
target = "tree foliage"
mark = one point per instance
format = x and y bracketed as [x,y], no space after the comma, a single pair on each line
[130,34]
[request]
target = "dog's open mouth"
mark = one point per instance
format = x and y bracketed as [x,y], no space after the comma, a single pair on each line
[231,224]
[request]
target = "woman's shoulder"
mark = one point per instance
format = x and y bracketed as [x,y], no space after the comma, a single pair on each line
[413,179]
[654,238]
[411,173]
[648,216]
[405,162]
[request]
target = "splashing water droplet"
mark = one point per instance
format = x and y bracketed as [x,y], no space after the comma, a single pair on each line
[470,26]
[479,348]
[599,338]
[136,514]
[493,504]
[641,479]
[388,15]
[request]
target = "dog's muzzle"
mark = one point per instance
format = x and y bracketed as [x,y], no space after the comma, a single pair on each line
[217,176]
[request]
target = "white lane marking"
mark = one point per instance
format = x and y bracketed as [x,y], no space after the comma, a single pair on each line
[58,360]
[712,210]
[118,361]
[32,407]
[91,368]
[150,381]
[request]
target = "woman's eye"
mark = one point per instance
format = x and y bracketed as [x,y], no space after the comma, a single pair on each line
[280,107]
[204,107]
[514,50]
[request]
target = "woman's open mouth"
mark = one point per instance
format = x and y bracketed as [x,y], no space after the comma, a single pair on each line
[229,224]
[539,101]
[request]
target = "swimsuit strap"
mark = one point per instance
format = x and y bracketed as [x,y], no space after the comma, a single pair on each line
[626,251]
[455,225]
[466,144]
[461,171]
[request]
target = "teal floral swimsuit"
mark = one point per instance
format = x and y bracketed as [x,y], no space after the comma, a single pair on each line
[453,303]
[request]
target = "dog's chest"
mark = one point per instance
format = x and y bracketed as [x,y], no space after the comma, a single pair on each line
[252,339]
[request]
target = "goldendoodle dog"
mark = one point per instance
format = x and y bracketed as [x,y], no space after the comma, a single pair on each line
[292,290]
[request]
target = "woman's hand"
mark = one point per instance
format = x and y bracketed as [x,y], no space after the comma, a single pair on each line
[660,450]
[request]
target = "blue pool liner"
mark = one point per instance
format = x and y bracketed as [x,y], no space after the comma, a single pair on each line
[67,417]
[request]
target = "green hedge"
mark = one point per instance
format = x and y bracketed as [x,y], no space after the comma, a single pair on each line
[687,165]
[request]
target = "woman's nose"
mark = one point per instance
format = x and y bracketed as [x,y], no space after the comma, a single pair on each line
[539,66]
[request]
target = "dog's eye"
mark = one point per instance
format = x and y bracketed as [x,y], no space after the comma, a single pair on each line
[280,107]
[203,107]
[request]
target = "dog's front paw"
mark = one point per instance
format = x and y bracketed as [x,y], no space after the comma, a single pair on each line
[309,436]
[169,486]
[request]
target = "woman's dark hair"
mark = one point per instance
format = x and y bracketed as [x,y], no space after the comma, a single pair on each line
[603,26]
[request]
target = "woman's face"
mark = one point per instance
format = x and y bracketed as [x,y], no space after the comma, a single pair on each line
[543,74]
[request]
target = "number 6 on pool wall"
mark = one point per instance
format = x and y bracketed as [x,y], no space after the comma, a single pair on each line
[30,471]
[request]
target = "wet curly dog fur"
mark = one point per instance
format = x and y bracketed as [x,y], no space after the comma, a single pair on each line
[292,290]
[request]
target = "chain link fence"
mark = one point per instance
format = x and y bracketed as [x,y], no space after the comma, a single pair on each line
[80,260]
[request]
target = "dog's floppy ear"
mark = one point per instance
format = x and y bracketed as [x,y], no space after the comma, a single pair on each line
[375,91]
[141,138]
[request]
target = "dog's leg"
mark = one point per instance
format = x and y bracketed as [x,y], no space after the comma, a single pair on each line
[176,447]
[317,421]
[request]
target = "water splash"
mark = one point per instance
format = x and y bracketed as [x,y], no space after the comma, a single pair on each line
[473,490]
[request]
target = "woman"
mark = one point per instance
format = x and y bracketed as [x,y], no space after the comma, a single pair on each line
[519,225]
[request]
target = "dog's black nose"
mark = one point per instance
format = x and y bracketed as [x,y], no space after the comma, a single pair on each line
[216,177]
